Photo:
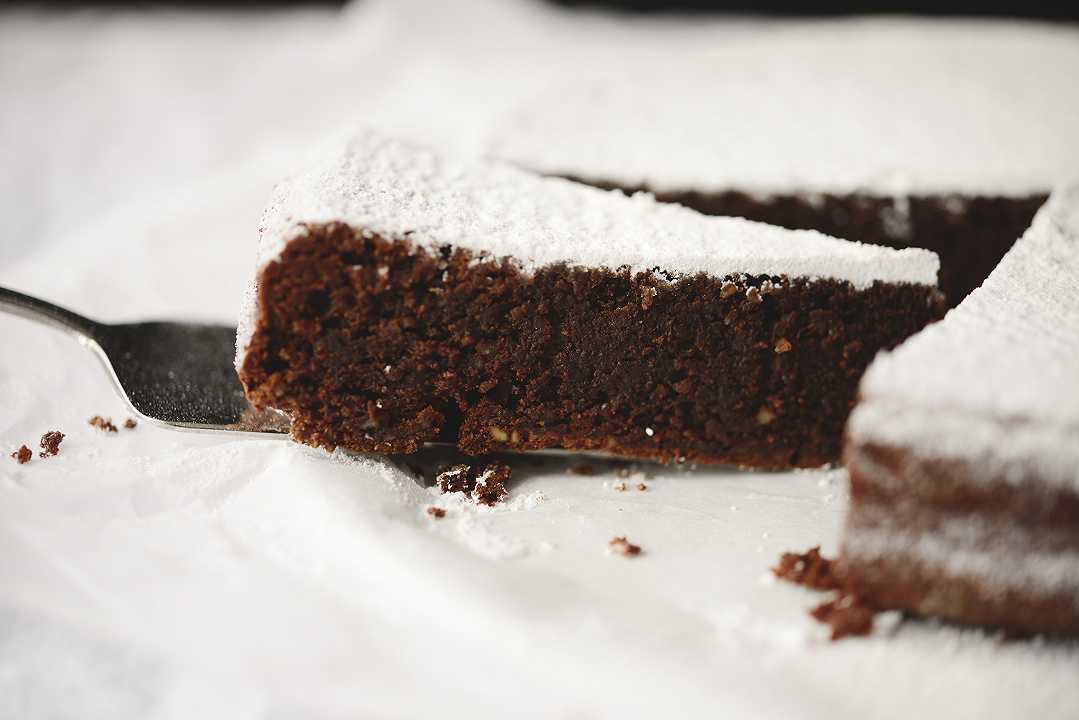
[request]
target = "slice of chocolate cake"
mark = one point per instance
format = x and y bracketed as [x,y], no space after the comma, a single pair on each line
[964,449]
[946,135]
[405,298]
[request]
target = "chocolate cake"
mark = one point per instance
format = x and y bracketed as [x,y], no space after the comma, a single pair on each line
[946,136]
[963,450]
[404,298]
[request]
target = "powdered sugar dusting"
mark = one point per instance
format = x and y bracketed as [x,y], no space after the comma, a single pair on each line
[887,106]
[394,189]
[998,379]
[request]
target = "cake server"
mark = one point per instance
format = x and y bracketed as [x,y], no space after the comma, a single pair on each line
[173,373]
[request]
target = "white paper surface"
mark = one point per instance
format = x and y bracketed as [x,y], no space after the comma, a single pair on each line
[157,574]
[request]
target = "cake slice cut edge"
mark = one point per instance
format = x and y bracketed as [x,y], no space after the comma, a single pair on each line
[963,451]
[405,297]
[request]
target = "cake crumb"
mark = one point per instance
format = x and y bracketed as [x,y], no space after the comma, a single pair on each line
[490,488]
[582,469]
[783,345]
[486,483]
[846,614]
[436,512]
[130,423]
[810,569]
[101,423]
[50,443]
[619,487]
[642,487]
[622,546]
[23,455]
[454,479]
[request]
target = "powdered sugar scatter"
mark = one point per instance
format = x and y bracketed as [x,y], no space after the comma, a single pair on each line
[966,107]
[998,378]
[472,528]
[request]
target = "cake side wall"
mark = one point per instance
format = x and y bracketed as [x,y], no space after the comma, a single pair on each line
[934,536]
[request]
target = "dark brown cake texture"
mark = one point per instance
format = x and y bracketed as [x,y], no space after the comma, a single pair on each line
[484,482]
[375,339]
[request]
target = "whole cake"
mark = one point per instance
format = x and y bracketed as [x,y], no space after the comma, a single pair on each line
[946,135]
[404,298]
[963,450]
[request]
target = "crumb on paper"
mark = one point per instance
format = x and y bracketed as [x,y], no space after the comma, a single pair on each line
[436,512]
[23,455]
[102,423]
[50,443]
[454,479]
[622,546]
[131,423]
[846,615]
[485,483]
[642,487]
[619,487]
[810,569]
[490,488]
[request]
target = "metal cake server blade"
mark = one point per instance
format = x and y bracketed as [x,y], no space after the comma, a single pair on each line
[173,373]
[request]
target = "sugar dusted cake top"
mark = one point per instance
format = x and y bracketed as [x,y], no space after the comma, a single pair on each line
[998,377]
[883,106]
[394,189]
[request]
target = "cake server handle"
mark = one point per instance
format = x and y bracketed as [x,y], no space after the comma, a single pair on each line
[46,313]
